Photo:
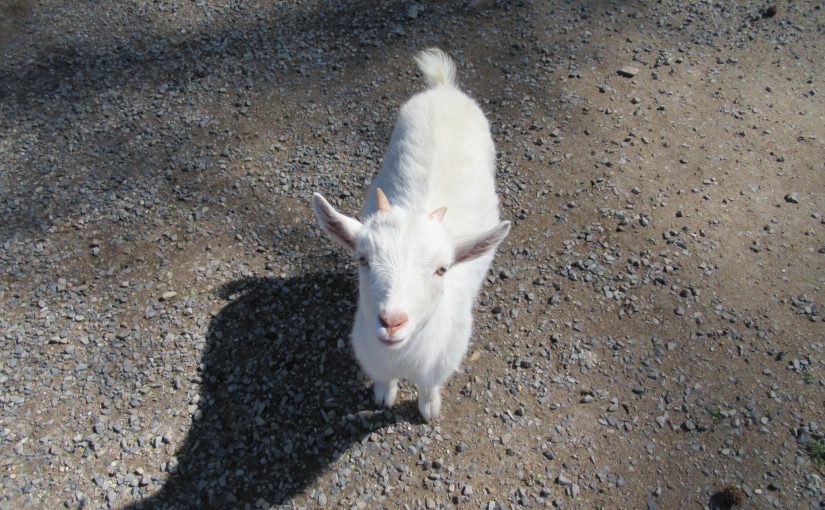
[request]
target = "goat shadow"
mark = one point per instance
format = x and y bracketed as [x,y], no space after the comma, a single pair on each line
[280,395]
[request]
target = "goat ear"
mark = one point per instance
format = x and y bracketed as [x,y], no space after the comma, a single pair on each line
[484,243]
[339,227]
[438,214]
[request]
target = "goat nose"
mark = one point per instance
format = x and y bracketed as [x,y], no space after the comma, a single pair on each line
[392,321]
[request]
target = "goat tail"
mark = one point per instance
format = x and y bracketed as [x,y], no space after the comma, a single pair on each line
[438,67]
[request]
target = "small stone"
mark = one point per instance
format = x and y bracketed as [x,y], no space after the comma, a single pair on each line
[792,198]
[628,71]
[563,480]
[169,294]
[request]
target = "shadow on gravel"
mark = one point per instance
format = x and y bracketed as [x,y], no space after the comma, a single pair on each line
[280,398]
[148,53]
[139,114]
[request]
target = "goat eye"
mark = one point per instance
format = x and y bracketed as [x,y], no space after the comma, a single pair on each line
[441,270]
[362,261]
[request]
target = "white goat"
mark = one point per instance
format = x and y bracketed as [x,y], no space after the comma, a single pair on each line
[426,241]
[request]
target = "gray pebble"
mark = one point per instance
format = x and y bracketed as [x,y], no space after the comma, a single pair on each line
[563,480]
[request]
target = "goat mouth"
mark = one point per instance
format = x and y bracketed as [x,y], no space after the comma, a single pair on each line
[391,341]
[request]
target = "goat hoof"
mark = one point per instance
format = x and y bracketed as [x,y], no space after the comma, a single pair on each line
[429,403]
[385,393]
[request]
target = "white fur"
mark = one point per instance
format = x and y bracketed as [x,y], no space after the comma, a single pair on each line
[441,155]
[437,66]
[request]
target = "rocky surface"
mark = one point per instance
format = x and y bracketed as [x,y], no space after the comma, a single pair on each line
[173,325]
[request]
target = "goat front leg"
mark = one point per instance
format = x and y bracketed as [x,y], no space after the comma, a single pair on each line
[385,392]
[429,401]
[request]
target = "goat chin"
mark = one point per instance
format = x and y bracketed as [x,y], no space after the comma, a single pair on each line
[428,356]
[430,230]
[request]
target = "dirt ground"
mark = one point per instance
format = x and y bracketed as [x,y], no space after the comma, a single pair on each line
[174,326]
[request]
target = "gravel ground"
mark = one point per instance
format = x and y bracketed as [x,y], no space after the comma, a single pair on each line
[173,324]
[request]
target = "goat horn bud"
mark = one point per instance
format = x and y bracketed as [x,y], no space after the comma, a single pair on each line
[383,203]
[438,214]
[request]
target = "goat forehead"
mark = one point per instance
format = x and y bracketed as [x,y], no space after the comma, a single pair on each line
[406,241]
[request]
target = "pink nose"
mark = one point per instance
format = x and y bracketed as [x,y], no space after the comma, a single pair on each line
[392,321]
